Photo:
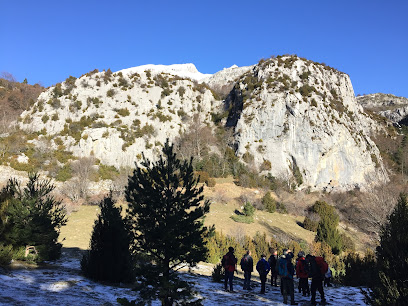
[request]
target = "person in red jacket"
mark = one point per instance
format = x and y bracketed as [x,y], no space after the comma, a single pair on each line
[302,274]
[229,262]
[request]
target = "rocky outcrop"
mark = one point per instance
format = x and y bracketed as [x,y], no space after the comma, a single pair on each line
[389,106]
[300,121]
[293,118]
[118,116]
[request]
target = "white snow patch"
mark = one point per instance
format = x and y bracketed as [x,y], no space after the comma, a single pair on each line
[61,283]
[182,70]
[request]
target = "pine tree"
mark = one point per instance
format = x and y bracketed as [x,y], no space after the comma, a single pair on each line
[327,227]
[269,202]
[392,259]
[109,257]
[33,216]
[165,215]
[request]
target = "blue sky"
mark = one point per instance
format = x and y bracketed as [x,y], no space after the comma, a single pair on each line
[47,41]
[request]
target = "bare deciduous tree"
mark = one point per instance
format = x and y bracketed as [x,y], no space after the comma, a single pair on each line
[376,206]
[82,170]
[195,142]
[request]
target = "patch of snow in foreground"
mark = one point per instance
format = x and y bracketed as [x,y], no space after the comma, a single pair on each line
[60,283]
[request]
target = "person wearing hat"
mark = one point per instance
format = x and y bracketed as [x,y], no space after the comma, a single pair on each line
[302,274]
[229,262]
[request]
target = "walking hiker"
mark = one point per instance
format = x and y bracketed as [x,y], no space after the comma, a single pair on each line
[229,262]
[247,265]
[302,274]
[316,268]
[263,269]
[286,271]
[272,260]
[327,278]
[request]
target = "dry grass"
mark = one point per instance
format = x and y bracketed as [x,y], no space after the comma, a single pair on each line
[274,225]
[77,232]
[224,201]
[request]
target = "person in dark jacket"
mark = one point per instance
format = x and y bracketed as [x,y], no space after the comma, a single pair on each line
[286,272]
[229,262]
[263,269]
[272,260]
[247,265]
[315,272]
[302,274]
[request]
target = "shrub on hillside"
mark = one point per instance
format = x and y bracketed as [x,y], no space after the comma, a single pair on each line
[242,219]
[249,209]
[205,178]
[311,222]
[269,203]
[106,172]
[110,93]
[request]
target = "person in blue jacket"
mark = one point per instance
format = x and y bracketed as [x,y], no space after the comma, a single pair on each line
[263,268]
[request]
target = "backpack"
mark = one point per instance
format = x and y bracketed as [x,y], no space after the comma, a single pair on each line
[283,267]
[262,267]
[228,262]
[272,262]
[323,266]
[244,262]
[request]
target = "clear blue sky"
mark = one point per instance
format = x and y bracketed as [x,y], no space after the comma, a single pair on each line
[47,41]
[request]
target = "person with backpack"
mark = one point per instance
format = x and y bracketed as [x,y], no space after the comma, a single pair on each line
[247,265]
[302,274]
[316,268]
[286,272]
[229,262]
[263,269]
[272,260]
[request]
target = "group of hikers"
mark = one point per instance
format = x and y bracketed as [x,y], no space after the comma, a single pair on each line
[306,267]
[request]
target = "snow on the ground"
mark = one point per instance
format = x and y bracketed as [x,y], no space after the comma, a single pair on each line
[60,283]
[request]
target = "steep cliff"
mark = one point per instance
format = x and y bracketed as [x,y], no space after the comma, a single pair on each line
[300,121]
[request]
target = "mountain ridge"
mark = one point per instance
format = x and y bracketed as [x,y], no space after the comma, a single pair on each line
[279,106]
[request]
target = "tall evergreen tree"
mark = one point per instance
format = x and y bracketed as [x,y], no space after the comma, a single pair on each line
[392,259]
[33,216]
[165,215]
[327,226]
[109,257]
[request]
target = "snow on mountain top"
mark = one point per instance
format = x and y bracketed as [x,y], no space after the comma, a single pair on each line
[182,70]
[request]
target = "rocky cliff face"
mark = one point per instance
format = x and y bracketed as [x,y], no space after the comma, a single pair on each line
[292,118]
[117,116]
[298,119]
[389,106]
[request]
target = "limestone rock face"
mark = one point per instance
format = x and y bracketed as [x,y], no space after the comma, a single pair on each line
[389,106]
[118,116]
[293,118]
[300,121]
